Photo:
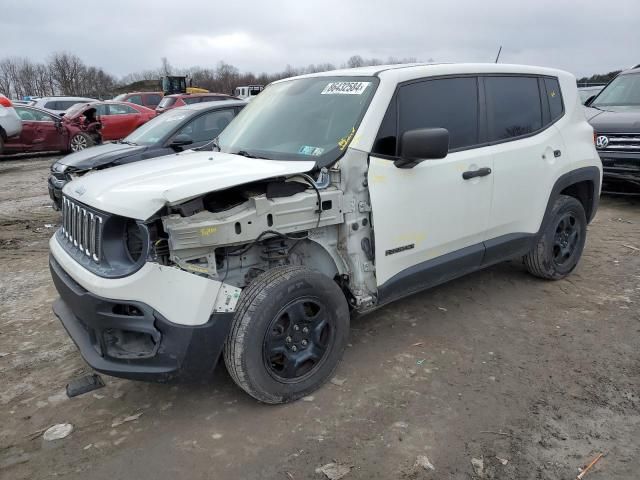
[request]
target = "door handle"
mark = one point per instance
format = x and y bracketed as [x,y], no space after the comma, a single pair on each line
[481,172]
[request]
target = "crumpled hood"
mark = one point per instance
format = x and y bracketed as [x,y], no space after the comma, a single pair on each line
[99,155]
[138,190]
[614,119]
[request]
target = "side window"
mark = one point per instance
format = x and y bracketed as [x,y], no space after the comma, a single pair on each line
[118,109]
[25,114]
[137,99]
[450,103]
[64,105]
[513,106]
[207,127]
[101,109]
[152,100]
[52,106]
[554,97]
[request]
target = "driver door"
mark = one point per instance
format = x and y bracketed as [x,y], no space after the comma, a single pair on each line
[429,221]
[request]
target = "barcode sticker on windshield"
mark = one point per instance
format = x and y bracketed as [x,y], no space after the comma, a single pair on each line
[345,88]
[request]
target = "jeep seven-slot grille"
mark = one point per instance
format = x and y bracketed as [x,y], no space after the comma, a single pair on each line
[82,228]
[622,142]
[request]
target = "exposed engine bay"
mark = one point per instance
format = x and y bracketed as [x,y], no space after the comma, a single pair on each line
[236,234]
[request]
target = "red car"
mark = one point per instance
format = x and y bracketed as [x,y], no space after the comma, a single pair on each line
[43,131]
[118,119]
[146,99]
[182,99]
[82,126]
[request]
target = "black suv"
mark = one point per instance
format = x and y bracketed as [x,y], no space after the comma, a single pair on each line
[615,116]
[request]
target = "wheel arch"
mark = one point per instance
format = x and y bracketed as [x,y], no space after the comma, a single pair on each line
[582,184]
[319,257]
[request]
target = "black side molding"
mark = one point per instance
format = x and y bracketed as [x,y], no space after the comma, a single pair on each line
[591,174]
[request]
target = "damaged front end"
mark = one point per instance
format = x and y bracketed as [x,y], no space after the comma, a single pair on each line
[234,235]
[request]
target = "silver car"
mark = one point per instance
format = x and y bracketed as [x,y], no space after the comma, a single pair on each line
[10,123]
[60,104]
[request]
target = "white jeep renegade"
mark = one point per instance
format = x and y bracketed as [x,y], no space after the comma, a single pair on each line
[330,194]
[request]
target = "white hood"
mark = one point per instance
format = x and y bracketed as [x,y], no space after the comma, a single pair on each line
[138,190]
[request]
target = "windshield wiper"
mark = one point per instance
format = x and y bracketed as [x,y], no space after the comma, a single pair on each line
[127,142]
[244,153]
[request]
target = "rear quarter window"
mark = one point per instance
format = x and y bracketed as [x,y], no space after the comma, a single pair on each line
[554,97]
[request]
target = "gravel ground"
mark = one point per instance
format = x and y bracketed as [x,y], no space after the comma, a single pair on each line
[497,375]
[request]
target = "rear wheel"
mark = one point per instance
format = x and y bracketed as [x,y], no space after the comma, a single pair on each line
[289,332]
[560,246]
[80,141]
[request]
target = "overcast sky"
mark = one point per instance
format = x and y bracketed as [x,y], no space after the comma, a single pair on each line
[121,36]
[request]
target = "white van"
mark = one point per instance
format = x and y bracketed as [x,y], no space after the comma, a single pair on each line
[330,194]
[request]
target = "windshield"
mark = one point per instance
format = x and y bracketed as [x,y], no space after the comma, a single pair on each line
[156,129]
[304,119]
[624,90]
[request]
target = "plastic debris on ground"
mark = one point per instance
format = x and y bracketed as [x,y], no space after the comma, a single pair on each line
[423,461]
[130,418]
[88,383]
[58,431]
[334,471]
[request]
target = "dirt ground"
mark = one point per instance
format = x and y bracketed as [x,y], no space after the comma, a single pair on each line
[532,379]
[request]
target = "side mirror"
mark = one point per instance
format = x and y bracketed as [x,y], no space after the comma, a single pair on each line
[588,101]
[181,140]
[422,144]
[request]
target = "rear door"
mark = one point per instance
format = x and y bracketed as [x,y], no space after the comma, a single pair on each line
[40,132]
[120,121]
[50,136]
[527,148]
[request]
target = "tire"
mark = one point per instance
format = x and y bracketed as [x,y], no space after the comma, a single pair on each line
[265,352]
[80,141]
[560,246]
[1,144]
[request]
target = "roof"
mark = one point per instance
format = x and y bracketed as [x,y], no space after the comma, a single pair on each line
[209,94]
[143,92]
[634,69]
[212,105]
[408,71]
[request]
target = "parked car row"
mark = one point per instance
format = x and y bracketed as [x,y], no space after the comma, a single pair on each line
[330,193]
[191,126]
[83,125]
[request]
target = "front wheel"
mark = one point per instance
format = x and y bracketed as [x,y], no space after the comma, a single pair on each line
[560,245]
[80,141]
[289,332]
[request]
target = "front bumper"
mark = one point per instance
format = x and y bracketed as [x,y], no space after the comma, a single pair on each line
[621,173]
[130,339]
